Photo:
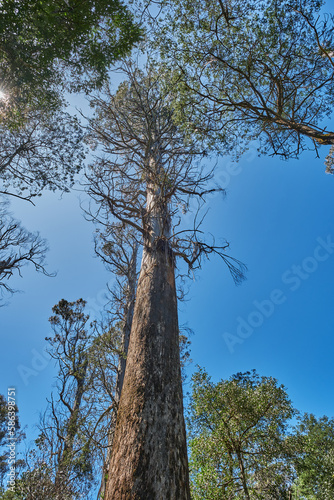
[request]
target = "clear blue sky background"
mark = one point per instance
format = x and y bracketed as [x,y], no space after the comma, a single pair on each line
[273,215]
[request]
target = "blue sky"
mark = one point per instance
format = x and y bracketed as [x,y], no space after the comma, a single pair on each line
[274,216]
[278,219]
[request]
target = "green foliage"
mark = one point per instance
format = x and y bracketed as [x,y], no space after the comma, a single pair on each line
[250,70]
[39,40]
[47,47]
[315,464]
[238,429]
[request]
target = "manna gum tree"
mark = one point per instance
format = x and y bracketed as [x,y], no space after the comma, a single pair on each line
[147,171]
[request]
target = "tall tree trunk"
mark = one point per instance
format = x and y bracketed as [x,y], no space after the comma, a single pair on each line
[126,331]
[149,454]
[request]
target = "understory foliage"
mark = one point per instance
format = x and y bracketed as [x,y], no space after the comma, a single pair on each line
[244,445]
[67,459]
[74,431]
[315,464]
[238,438]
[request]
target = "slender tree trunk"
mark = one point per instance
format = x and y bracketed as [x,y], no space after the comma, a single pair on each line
[128,317]
[149,454]
[126,331]
[61,479]
[243,476]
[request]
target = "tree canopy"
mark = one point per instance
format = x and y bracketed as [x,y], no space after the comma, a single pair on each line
[39,41]
[238,429]
[128,129]
[254,70]
[315,463]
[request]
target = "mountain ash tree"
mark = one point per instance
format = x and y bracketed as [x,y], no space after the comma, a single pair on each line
[145,172]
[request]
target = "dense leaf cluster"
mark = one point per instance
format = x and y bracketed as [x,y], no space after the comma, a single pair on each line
[243,445]
[85,37]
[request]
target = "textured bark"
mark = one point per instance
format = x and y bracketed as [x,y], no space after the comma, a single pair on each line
[126,331]
[149,454]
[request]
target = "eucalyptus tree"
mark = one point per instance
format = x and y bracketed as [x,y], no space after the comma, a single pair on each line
[69,348]
[74,427]
[238,438]
[69,451]
[253,70]
[314,438]
[145,172]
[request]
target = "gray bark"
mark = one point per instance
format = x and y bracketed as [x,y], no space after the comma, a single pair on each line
[149,454]
[128,317]
[126,331]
